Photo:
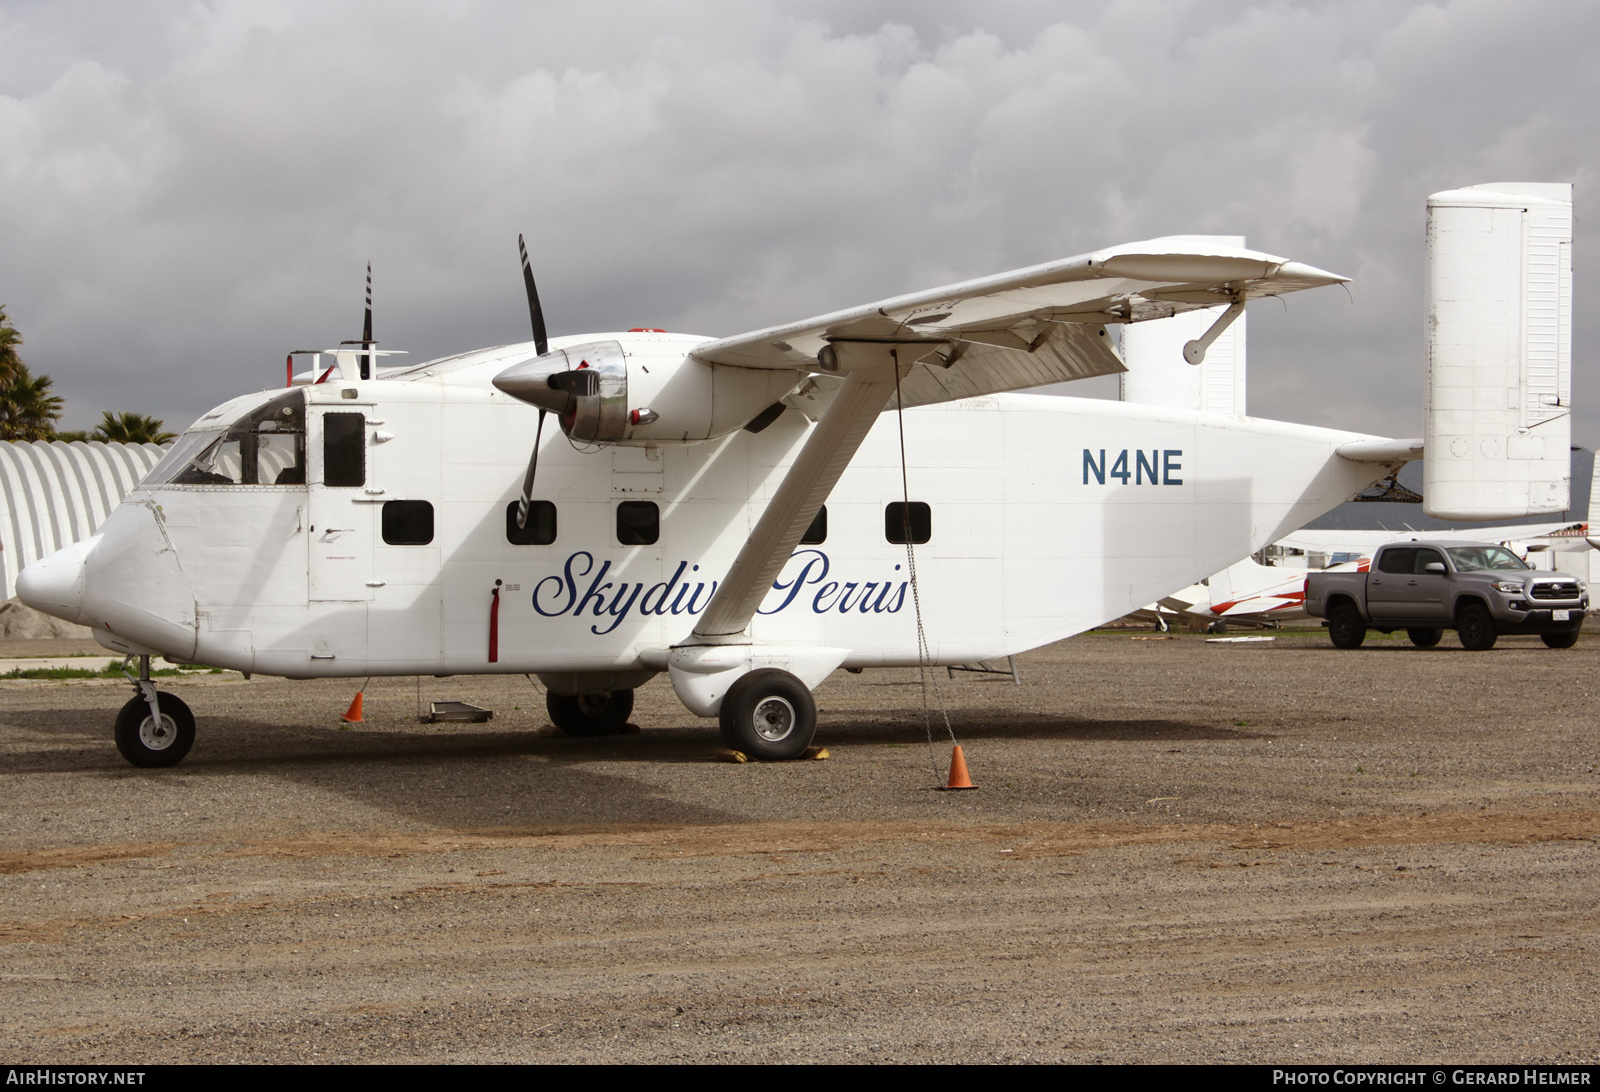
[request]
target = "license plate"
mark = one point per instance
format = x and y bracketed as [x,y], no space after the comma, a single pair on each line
[1561,616]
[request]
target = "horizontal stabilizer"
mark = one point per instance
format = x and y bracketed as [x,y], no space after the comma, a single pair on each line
[1380,451]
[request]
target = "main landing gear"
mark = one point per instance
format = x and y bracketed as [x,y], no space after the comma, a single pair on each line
[769,715]
[155,728]
[602,713]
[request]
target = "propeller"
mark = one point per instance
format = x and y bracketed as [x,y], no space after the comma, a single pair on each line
[541,342]
[366,341]
[548,382]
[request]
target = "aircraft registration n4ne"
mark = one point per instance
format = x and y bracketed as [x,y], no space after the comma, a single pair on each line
[742,513]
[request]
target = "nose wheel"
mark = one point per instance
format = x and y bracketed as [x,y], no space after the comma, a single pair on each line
[155,728]
[146,741]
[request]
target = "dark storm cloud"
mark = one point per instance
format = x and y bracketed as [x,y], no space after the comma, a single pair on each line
[187,191]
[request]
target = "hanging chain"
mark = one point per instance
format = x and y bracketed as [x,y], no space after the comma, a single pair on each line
[925,670]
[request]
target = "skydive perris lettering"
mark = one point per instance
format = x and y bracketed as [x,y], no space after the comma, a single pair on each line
[558,595]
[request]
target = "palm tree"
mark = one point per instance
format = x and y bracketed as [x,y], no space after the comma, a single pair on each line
[10,338]
[27,408]
[130,428]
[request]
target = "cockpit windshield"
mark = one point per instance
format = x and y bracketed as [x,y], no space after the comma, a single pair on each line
[265,447]
[1477,559]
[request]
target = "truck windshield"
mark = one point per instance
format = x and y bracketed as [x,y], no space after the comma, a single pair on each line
[1477,559]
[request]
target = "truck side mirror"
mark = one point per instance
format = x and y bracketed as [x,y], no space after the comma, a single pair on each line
[1434,567]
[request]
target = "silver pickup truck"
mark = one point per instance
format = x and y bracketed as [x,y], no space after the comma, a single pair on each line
[1475,588]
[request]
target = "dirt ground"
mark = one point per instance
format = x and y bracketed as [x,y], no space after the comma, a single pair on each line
[1179,852]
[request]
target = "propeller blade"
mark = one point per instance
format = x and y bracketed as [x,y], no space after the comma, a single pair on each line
[526,500]
[541,340]
[366,329]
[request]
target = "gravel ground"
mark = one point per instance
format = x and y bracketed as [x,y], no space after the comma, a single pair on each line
[1179,852]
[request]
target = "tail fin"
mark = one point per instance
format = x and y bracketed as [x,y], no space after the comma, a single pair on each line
[1499,342]
[1158,375]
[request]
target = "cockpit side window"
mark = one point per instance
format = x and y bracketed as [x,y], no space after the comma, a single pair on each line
[265,447]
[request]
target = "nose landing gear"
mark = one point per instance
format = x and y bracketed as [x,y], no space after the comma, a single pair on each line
[155,728]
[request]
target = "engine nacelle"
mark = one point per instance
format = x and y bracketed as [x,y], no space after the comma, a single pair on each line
[604,392]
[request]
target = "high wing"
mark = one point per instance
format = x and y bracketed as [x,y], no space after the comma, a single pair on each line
[1012,330]
[1042,324]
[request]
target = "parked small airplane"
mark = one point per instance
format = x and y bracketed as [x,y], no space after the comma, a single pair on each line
[1245,593]
[382,524]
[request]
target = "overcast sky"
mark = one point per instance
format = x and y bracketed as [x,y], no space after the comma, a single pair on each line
[189,190]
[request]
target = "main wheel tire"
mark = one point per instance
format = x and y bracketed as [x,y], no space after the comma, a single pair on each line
[1475,628]
[768,714]
[1346,629]
[144,742]
[1560,640]
[603,713]
[1424,638]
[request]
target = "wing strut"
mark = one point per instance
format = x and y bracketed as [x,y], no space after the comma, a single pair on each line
[868,368]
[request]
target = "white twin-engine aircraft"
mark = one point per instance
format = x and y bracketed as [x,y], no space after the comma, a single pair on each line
[384,524]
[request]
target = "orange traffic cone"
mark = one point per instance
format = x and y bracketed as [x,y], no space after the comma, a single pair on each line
[958,771]
[352,715]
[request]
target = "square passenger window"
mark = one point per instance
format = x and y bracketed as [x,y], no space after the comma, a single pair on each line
[541,526]
[638,523]
[903,523]
[407,522]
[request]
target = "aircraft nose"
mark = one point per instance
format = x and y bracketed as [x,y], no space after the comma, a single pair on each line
[54,584]
[135,587]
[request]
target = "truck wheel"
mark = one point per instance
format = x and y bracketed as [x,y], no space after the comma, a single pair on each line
[1424,638]
[603,713]
[1476,628]
[1560,640]
[1345,627]
[769,714]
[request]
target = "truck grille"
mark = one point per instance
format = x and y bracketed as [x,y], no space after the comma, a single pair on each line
[1564,590]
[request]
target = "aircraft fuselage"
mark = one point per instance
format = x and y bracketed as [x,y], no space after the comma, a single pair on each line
[384,544]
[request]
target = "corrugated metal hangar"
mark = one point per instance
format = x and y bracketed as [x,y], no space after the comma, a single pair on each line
[57,493]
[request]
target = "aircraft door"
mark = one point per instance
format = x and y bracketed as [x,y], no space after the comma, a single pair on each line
[414,519]
[340,513]
[637,480]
